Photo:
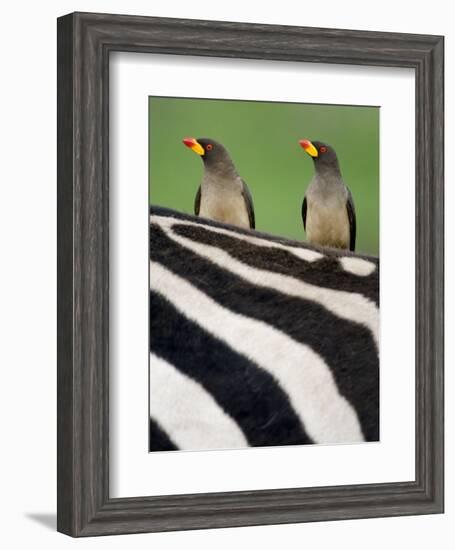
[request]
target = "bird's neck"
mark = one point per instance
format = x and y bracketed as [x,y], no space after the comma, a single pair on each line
[327,182]
[329,173]
[221,171]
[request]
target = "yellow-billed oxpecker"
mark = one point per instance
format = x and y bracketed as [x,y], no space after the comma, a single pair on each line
[222,196]
[328,208]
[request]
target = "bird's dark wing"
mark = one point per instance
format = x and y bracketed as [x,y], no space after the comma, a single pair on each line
[352,223]
[304,208]
[197,201]
[249,204]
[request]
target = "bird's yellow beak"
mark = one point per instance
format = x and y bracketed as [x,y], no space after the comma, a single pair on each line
[309,147]
[194,145]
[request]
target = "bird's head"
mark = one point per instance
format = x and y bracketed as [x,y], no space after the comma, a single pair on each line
[212,152]
[323,155]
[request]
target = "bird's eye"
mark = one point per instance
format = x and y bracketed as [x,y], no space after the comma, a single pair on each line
[209,147]
[323,149]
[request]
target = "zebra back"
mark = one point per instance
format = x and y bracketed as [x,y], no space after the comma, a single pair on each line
[257,340]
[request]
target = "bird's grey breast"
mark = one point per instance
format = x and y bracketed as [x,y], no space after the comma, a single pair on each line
[327,222]
[222,200]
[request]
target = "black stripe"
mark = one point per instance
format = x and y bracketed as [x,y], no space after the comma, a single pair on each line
[330,252]
[158,438]
[326,272]
[347,347]
[249,394]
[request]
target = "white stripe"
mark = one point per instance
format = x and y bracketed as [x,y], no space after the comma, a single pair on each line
[347,305]
[357,266]
[187,413]
[302,253]
[303,375]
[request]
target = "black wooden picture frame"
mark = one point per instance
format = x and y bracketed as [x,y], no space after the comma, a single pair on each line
[84,43]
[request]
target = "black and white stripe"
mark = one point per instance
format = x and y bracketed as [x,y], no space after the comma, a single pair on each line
[256,340]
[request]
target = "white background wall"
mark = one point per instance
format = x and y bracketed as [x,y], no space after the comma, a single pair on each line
[28,271]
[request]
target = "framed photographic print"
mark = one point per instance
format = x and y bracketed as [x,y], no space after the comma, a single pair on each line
[250,252]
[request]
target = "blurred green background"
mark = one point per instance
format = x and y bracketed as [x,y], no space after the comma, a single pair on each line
[262,139]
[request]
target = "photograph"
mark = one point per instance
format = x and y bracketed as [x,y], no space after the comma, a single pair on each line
[264,274]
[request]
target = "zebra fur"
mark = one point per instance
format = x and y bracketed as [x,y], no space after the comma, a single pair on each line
[257,340]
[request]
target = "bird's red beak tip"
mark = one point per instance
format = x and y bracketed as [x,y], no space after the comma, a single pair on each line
[189,142]
[304,143]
